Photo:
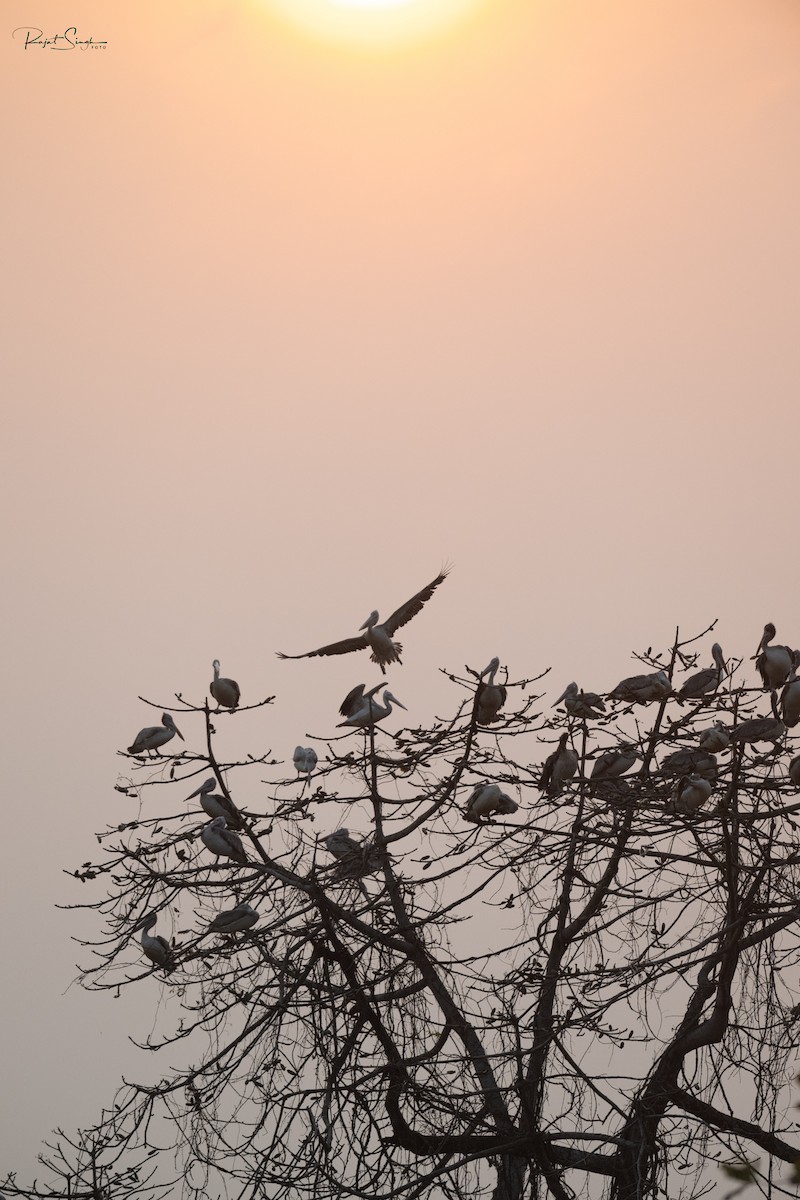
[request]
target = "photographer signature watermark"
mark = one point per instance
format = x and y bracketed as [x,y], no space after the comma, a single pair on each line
[28,36]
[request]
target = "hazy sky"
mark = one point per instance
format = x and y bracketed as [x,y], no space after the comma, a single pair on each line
[289,323]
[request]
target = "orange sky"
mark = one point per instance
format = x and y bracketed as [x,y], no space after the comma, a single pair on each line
[290,325]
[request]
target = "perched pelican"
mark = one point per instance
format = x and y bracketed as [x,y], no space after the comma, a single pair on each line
[641,689]
[225,691]
[794,770]
[156,948]
[222,841]
[690,762]
[379,637]
[487,798]
[773,663]
[790,696]
[613,763]
[580,704]
[558,769]
[691,793]
[491,695]
[358,858]
[234,920]
[216,805]
[714,739]
[371,712]
[155,736]
[758,729]
[305,760]
[357,698]
[704,682]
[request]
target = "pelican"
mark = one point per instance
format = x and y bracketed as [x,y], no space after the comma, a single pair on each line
[156,948]
[579,703]
[234,920]
[370,712]
[216,805]
[690,762]
[641,689]
[704,682]
[558,769]
[358,858]
[222,841]
[305,760]
[794,770]
[155,736]
[691,793]
[491,695]
[487,798]
[614,763]
[357,698]
[379,637]
[714,739]
[773,663]
[790,696]
[758,729]
[225,691]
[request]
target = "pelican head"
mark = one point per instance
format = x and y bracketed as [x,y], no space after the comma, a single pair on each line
[570,690]
[388,696]
[492,669]
[168,722]
[371,620]
[766,637]
[215,666]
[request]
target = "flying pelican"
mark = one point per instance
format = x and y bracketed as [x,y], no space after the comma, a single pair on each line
[216,805]
[357,698]
[773,663]
[794,770]
[558,769]
[491,695]
[580,704]
[305,760]
[370,712]
[357,858]
[691,793]
[234,920]
[155,736]
[222,841]
[379,637]
[641,689]
[614,763]
[714,739]
[225,691]
[156,948]
[704,682]
[790,696]
[487,798]
[758,729]
[690,762]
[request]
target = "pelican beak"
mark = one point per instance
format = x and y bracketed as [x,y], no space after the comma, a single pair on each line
[560,698]
[183,739]
[401,705]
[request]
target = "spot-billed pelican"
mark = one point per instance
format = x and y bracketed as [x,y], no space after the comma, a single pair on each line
[222,841]
[790,696]
[156,948]
[357,858]
[215,805]
[794,770]
[491,696]
[758,729]
[225,691]
[379,637]
[704,682]
[357,698]
[488,798]
[690,762]
[234,920]
[371,712]
[691,793]
[580,704]
[155,736]
[613,763]
[773,663]
[558,769]
[714,739]
[305,761]
[641,689]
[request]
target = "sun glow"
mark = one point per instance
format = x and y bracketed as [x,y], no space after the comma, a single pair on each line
[372,23]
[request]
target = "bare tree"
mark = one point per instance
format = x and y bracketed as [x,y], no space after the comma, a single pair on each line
[444,994]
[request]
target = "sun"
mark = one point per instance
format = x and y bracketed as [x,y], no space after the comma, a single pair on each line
[372,23]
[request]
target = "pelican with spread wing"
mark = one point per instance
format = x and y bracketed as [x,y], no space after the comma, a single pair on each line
[378,637]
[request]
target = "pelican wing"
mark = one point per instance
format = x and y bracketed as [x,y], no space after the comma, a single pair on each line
[345,647]
[352,701]
[411,607]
